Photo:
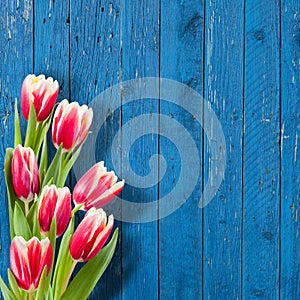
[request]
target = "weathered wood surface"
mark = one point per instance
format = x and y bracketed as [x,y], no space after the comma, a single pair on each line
[243,57]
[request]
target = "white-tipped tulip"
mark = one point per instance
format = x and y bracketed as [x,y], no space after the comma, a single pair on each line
[97,187]
[54,203]
[91,235]
[41,92]
[71,124]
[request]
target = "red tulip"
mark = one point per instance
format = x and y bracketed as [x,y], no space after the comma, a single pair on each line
[54,202]
[28,259]
[97,187]
[71,124]
[41,92]
[25,173]
[91,235]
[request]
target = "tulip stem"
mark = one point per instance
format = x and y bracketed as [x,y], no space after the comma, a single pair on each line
[64,286]
[30,295]
[26,208]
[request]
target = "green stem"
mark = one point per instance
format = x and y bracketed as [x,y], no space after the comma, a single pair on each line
[76,209]
[64,286]
[26,208]
[31,295]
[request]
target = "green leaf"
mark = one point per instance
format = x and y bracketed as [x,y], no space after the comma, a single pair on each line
[43,159]
[50,295]
[31,214]
[18,137]
[41,288]
[36,227]
[21,226]
[7,294]
[86,279]
[52,238]
[13,285]
[10,190]
[64,261]
[43,130]
[68,164]
[31,128]
[54,168]
[33,220]
[52,233]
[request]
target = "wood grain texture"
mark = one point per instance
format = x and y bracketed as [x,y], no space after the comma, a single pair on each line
[243,57]
[95,65]
[222,231]
[180,234]
[140,58]
[51,48]
[290,165]
[16,24]
[51,42]
[261,221]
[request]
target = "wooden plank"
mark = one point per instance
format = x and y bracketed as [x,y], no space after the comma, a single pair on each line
[290,163]
[95,66]
[261,151]
[180,234]
[16,63]
[51,48]
[222,231]
[51,42]
[140,57]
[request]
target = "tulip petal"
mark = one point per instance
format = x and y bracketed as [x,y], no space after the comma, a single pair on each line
[86,234]
[19,262]
[88,182]
[63,210]
[107,196]
[54,202]
[41,92]
[25,174]
[101,239]
[28,259]
[67,129]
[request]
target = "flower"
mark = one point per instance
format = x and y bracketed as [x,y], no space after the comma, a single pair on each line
[25,173]
[41,92]
[28,259]
[71,124]
[91,235]
[54,202]
[97,187]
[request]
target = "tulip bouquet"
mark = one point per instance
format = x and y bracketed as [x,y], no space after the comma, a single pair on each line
[40,205]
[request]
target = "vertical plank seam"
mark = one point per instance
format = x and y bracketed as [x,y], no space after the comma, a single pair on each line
[159,150]
[243,152]
[69,61]
[280,147]
[33,33]
[203,159]
[121,136]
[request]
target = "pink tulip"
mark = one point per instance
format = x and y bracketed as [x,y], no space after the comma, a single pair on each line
[54,202]
[28,259]
[25,173]
[97,187]
[91,235]
[41,92]
[71,124]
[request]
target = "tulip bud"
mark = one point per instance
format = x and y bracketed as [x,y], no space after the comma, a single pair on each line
[91,235]
[97,187]
[28,259]
[71,124]
[54,202]
[25,173]
[41,92]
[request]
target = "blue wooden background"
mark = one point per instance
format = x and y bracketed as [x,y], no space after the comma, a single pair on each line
[244,58]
